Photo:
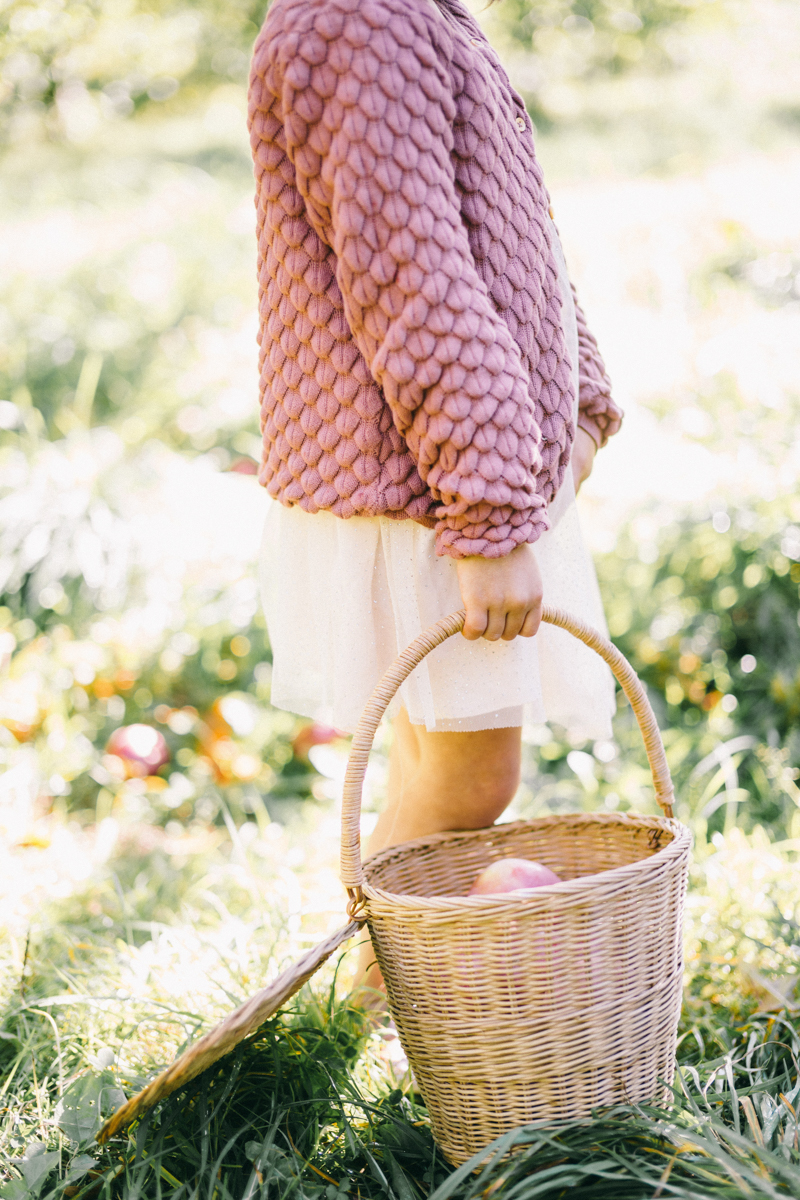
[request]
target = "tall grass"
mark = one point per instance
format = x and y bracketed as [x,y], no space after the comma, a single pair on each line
[286,1115]
[308,1107]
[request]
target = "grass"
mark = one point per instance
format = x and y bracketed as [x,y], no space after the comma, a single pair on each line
[286,1115]
[107,988]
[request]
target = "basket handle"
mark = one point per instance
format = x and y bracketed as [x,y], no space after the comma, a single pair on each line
[352,873]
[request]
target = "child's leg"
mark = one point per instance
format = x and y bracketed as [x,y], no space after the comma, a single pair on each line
[441,781]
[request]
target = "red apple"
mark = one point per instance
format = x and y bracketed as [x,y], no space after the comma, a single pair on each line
[512,875]
[142,749]
[314,735]
[491,960]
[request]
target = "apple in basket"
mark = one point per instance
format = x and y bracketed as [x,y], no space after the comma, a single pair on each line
[514,967]
[512,875]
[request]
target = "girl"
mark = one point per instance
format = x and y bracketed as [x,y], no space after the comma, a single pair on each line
[431,399]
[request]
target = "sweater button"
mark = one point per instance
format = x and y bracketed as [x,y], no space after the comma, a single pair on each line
[550,210]
[474,41]
[521,123]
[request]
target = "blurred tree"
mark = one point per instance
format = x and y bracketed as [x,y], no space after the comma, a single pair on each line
[708,613]
[73,63]
[70,64]
[610,35]
[573,40]
[714,614]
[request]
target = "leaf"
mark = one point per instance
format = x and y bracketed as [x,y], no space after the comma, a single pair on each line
[17,1189]
[36,1168]
[84,1104]
[78,1112]
[400,1183]
[79,1166]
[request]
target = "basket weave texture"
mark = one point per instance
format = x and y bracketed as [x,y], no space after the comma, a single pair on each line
[542,1004]
[545,1003]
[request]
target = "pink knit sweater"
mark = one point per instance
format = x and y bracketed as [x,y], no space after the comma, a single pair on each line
[413,361]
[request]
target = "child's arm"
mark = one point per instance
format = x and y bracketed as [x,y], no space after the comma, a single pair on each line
[598,414]
[584,449]
[369,135]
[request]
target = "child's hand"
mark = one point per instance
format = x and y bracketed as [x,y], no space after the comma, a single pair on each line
[584,449]
[502,596]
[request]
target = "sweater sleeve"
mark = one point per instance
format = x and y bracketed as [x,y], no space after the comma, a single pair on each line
[369,117]
[598,414]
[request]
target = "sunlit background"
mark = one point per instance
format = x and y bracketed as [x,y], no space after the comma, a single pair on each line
[152,877]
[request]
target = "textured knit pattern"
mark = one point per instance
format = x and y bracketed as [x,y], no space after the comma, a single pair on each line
[413,363]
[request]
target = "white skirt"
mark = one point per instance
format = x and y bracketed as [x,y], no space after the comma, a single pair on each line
[342,598]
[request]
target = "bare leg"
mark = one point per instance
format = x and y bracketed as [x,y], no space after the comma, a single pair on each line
[441,781]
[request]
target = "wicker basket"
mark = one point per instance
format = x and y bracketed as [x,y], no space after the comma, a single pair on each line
[543,1004]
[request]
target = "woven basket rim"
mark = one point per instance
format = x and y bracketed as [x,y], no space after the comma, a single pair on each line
[533,899]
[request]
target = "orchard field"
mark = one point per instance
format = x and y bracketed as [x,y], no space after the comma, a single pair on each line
[139,905]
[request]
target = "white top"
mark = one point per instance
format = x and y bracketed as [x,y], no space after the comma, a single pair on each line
[343,597]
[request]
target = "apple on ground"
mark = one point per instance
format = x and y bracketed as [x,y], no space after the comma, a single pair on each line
[141,748]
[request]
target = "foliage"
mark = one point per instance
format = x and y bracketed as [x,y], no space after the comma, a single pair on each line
[716,615]
[68,66]
[715,632]
[63,698]
[602,36]
[706,609]
[150,338]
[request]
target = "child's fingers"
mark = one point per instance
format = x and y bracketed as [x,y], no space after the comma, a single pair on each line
[500,595]
[475,622]
[515,618]
[533,619]
[496,623]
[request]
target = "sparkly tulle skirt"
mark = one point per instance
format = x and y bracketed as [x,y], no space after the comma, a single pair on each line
[342,598]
